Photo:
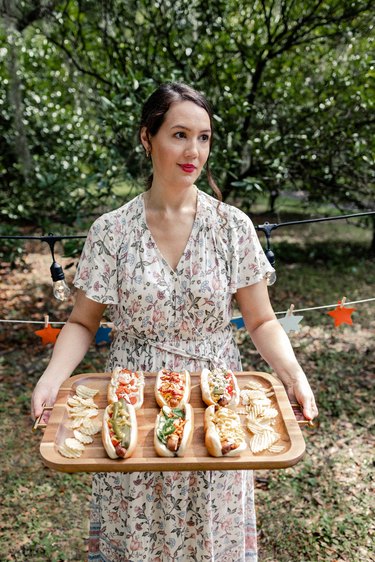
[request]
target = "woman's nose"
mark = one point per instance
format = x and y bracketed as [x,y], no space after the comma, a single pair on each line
[191,149]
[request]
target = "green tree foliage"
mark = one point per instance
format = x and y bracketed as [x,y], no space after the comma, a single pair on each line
[289,80]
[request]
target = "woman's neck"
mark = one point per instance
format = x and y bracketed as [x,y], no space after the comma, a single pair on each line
[164,199]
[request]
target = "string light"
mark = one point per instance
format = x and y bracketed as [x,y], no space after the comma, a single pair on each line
[61,291]
[267,228]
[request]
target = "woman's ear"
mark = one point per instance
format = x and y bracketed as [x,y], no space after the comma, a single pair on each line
[145,139]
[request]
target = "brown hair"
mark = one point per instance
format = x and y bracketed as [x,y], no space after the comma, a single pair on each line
[157,105]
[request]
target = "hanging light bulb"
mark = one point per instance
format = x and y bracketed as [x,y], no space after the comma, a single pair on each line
[271,277]
[267,228]
[61,290]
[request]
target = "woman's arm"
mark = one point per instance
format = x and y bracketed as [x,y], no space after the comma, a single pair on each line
[69,350]
[274,346]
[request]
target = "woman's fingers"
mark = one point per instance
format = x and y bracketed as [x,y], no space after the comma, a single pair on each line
[303,395]
[42,396]
[309,409]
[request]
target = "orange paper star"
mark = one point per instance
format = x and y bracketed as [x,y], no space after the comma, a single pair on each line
[342,315]
[48,334]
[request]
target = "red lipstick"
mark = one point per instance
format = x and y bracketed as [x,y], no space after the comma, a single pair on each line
[188,168]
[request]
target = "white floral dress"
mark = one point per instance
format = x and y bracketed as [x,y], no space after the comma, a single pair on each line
[173,319]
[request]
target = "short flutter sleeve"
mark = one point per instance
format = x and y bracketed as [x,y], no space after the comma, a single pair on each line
[249,262]
[97,269]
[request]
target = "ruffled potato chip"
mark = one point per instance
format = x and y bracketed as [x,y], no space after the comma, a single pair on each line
[85,391]
[69,453]
[82,437]
[90,427]
[260,418]
[74,444]
[81,409]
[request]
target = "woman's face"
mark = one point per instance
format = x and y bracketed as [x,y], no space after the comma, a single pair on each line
[181,146]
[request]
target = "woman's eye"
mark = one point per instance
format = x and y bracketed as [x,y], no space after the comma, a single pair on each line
[180,135]
[205,138]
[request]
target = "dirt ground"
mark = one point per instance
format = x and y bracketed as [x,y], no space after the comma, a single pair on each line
[318,510]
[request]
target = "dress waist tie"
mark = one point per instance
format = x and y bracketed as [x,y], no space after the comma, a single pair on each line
[214,359]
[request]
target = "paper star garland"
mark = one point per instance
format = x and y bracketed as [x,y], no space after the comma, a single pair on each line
[102,335]
[48,334]
[290,323]
[341,314]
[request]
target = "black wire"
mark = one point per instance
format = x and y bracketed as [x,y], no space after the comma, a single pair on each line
[267,227]
[42,238]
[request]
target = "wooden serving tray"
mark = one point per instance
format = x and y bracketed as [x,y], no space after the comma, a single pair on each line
[94,458]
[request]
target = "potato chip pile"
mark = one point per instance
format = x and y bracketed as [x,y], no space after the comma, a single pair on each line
[82,409]
[260,418]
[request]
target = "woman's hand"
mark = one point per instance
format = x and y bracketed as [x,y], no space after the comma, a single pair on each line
[45,393]
[300,392]
[69,350]
[274,346]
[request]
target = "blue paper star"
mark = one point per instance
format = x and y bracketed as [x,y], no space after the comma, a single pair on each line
[290,323]
[102,335]
[238,322]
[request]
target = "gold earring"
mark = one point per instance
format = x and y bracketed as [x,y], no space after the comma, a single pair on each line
[148,153]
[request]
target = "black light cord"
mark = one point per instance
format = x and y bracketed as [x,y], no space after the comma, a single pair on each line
[267,228]
[50,238]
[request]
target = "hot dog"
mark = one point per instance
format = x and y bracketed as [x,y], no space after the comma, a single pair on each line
[172,388]
[224,435]
[119,431]
[173,431]
[220,386]
[128,385]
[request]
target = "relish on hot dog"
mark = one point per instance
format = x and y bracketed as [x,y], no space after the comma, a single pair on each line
[224,435]
[219,386]
[173,431]
[128,385]
[172,388]
[119,432]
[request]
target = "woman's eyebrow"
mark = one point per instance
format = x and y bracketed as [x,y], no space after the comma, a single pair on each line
[187,128]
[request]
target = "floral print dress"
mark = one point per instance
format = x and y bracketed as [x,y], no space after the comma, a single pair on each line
[174,319]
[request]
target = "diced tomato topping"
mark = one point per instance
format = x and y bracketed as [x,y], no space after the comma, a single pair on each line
[133,399]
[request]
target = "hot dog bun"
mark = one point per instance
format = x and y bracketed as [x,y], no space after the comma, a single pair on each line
[219,386]
[173,440]
[224,435]
[172,388]
[128,385]
[126,418]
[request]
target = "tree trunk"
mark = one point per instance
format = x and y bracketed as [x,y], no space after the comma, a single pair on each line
[21,146]
[372,247]
[274,194]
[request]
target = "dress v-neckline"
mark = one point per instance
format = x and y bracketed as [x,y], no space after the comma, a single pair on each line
[165,261]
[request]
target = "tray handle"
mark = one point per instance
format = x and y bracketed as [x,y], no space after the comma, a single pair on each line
[38,424]
[309,423]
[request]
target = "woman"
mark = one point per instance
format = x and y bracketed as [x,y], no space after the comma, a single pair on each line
[169,264]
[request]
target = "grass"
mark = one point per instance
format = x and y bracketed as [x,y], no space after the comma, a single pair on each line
[316,511]
[322,504]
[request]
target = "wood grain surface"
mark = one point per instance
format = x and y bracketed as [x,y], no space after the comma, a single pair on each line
[94,458]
